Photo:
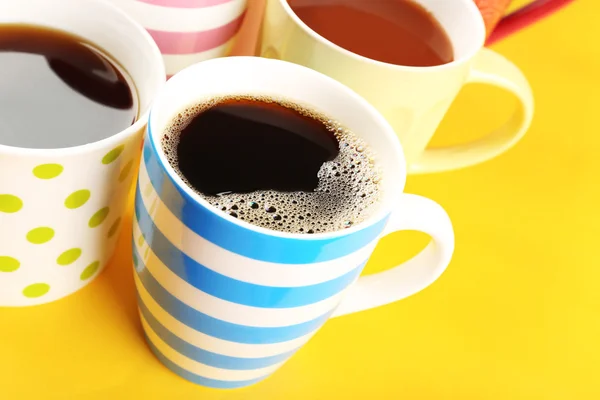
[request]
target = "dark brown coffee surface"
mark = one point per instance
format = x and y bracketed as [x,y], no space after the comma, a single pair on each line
[399,32]
[274,164]
[261,146]
[57,90]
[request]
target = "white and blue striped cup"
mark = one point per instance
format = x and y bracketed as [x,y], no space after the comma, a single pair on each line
[224,303]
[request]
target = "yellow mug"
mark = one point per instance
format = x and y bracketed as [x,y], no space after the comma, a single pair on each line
[413,99]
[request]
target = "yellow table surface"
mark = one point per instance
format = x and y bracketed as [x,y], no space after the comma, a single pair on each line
[516,315]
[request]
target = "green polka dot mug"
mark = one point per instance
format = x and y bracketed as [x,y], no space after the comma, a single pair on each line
[61,209]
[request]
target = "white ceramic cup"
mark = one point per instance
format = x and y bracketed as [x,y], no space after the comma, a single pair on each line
[225,303]
[188,31]
[414,100]
[61,209]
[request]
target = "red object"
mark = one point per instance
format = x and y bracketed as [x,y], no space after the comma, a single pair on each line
[524,17]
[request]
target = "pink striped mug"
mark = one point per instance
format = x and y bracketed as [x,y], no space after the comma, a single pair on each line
[188,31]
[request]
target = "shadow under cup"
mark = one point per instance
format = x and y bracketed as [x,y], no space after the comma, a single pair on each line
[61,209]
[224,303]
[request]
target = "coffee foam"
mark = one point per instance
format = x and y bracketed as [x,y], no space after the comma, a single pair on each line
[348,191]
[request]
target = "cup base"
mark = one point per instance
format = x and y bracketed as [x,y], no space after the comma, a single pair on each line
[197,379]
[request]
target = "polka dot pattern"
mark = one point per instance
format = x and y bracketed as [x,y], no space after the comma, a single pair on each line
[99,217]
[68,257]
[113,154]
[114,228]
[125,171]
[36,290]
[40,235]
[89,271]
[10,204]
[9,264]
[153,207]
[48,243]
[77,199]
[48,171]
[148,189]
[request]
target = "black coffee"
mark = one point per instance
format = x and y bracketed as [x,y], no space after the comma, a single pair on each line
[57,90]
[274,164]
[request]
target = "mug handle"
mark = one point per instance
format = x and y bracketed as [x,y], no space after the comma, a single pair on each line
[493,69]
[413,213]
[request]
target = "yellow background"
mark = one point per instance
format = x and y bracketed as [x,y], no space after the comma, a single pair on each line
[516,315]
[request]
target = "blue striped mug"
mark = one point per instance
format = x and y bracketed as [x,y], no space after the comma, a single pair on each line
[225,303]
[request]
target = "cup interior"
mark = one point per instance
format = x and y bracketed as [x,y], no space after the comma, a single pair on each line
[461,20]
[285,81]
[108,28]
[463,23]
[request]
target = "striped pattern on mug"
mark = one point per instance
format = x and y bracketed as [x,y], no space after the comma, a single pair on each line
[222,305]
[188,31]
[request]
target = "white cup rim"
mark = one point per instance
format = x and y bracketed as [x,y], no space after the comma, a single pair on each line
[470,8]
[385,129]
[117,138]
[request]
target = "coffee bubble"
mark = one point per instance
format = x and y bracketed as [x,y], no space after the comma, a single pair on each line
[347,193]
